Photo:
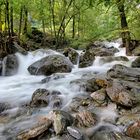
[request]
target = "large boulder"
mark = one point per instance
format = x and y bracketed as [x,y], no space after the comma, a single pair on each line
[136,63]
[51,64]
[10,65]
[72,54]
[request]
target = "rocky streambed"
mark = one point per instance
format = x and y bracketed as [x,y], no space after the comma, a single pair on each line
[71,95]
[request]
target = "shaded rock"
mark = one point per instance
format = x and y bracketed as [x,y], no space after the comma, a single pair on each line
[35,131]
[43,97]
[136,51]
[136,63]
[125,73]
[110,136]
[0,67]
[10,65]
[54,76]
[51,64]
[128,118]
[75,132]
[40,98]
[61,120]
[80,103]
[134,130]
[72,54]
[87,59]
[109,59]
[18,48]
[85,119]
[89,85]
[4,106]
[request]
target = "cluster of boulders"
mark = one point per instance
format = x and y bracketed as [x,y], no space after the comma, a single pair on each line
[80,120]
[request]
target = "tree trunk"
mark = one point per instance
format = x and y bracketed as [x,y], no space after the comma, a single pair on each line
[124,25]
[11,17]
[25,20]
[42,16]
[73,22]
[7,17]
[20,21]
[0,18]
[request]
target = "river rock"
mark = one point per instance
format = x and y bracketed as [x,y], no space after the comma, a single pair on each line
[10,65]
[136,63]
[134,130]
[87,59]
[72,54]
[4,106]
[61,120]
[103,135]
[85,119]
[118,94]
[136,51]
[54,76]
[43,97]
[109,59]
[99,96]
[35,131]
[51,64]
[119,71]
[75,132]
[89,85]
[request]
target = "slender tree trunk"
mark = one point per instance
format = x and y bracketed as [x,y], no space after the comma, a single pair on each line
[52,3]
[42,16]
[124,25]
[79,19]
[11,17]
[20,21]
[73,22]
[25,20]
[0,18]
[7,17]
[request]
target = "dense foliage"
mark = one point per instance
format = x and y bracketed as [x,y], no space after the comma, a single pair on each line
[70,19]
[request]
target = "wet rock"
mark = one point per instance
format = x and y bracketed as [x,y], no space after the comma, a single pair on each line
[128,118]
[99,96]
[10,65]
[134,130]
[136,63]
[18,48]
[4,106]
[136,51]
[72,54]
[35,131]
[87,59]
[40,98]
[75,132]
[54,76]
[51,64]
[118,94]
[85,119]
[43,97]
[89,85]
[110,136]
[109,59]
[125,73]
[61,120]
[80,103]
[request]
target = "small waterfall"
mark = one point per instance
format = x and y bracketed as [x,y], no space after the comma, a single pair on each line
[4,66]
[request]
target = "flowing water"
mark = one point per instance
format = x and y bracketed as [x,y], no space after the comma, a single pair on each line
[17,90]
